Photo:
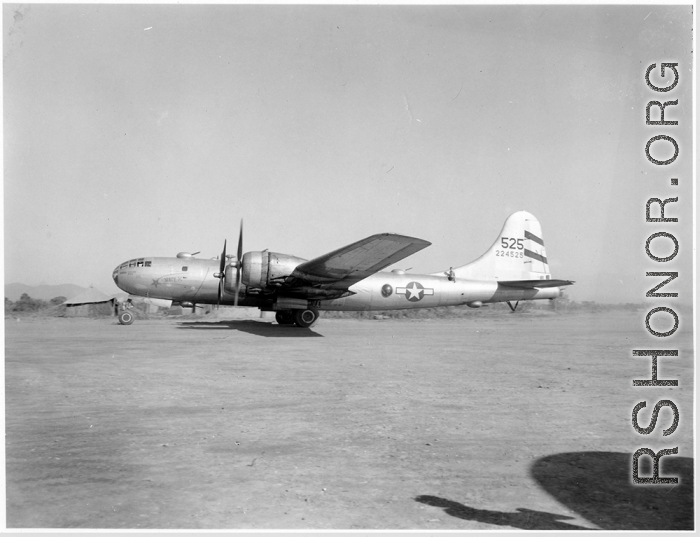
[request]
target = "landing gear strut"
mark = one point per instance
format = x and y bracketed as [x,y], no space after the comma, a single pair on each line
[305,318]
[512,308]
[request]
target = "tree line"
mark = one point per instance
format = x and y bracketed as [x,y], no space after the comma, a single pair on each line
[27,304]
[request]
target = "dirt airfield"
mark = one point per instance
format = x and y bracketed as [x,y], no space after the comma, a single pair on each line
[487,422]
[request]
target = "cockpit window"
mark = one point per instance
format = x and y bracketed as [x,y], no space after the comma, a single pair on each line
[140,262]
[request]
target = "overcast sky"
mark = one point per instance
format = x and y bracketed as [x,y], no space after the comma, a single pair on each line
[145,130]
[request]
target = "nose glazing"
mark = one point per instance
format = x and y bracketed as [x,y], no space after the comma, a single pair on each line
[115,276]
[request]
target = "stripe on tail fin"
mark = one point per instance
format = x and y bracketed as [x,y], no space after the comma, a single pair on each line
[518,254]
[534,247]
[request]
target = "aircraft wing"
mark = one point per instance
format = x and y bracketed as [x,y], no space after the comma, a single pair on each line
[535,284]
[346,266]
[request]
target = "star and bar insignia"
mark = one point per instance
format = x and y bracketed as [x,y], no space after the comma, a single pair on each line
[414,291]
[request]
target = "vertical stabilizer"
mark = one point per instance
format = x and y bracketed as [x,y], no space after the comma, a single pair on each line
[517,254]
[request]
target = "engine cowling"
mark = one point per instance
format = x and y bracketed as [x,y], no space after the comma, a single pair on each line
[267,269]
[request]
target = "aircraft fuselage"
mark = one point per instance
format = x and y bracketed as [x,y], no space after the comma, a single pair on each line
[195,281]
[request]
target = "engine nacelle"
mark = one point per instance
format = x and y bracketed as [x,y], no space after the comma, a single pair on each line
[265,269]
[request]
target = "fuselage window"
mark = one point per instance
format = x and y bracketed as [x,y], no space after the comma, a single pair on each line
[184,269]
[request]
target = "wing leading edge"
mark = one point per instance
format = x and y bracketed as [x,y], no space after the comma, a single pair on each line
[346,266]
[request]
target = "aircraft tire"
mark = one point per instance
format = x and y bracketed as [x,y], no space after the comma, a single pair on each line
[126,317]
[284,317]
[305,318]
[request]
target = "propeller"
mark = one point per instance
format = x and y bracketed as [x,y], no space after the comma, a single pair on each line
[222,269]
[221,274]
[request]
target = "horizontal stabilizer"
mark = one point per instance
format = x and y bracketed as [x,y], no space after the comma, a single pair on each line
[535,284]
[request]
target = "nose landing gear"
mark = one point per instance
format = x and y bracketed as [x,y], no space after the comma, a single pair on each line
[126,317]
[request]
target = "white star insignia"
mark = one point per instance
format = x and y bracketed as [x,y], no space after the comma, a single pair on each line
[414,291]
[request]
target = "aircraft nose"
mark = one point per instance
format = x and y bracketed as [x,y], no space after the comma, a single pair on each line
[115,276]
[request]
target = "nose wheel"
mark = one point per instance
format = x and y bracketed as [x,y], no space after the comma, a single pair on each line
[305,318]
[126,317]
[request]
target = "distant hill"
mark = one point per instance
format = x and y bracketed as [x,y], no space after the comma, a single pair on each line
[44,292]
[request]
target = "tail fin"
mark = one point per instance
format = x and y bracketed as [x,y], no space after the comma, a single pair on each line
[518,253]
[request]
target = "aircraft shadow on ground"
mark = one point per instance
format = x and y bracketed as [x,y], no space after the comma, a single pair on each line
[598,486]
[252,327]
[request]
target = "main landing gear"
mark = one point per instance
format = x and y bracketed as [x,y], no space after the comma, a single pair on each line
[302,318]
[284,317]
[512,308]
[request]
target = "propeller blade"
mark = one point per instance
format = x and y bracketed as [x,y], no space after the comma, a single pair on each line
[239,264]
[222,259]
[239,253]
[222,275]
[238,287]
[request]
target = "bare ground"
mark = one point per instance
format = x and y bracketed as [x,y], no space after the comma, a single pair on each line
[513,421]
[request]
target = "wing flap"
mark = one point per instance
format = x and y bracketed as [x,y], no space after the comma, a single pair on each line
[346,266]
